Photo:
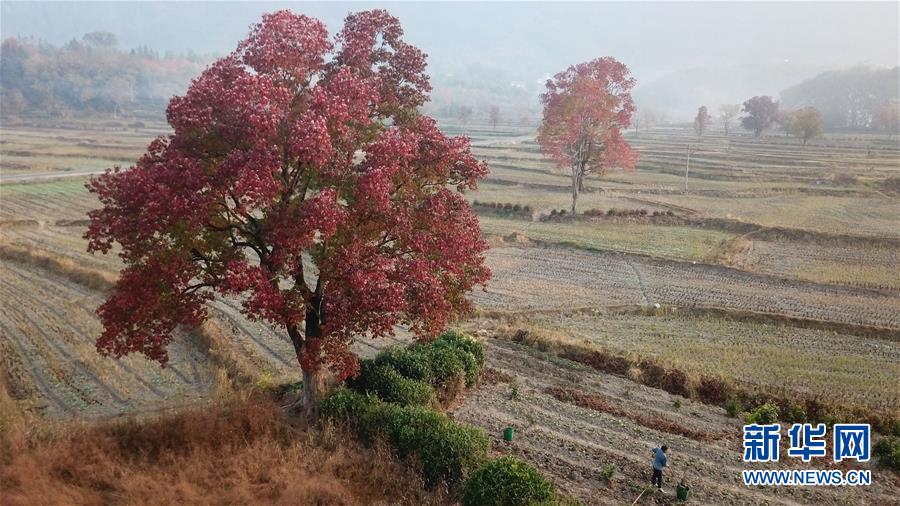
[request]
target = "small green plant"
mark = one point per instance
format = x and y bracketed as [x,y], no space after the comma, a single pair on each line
[609,471]
[266,381]
[733,407]
[763,414]
[513,390]
[507,481]
[887,449]
[794,413]
[677,404]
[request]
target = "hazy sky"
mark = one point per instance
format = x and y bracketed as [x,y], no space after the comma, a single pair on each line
[652,37]
[525,41]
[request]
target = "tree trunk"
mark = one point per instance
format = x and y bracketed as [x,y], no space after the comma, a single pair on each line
[313,380]
[576,182]
[687,168]
[313,385]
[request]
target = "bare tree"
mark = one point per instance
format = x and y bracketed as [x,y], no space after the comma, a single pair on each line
[727,113]
[494,115]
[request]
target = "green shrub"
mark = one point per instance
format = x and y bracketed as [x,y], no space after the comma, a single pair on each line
[464,342]
[446,364]
[447,450]
[345,404]
[507,482]
[412,361]
[887,449]
[469,350]
[391,386]
[835,416]
[763,414]
[375,422]
[794,413]
[441,362]
[894,428]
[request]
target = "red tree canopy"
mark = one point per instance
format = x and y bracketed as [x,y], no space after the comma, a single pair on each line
[301,176]
[585,109]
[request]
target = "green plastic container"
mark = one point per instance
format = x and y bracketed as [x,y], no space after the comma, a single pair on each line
[682,491]
[508,434]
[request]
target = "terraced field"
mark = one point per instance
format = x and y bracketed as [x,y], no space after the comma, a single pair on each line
[48,334]
[542,278]
[835,366]
[574,444]
[823,296]
[72,146]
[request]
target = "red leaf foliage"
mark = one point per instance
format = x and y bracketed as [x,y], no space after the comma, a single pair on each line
[301,177]
[586,107]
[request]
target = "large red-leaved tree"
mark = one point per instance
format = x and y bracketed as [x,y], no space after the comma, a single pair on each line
[586,107]
[301,177]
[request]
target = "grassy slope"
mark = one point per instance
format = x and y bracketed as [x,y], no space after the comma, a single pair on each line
[240,451]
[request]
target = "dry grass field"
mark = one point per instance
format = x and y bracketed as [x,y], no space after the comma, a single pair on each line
[777,269]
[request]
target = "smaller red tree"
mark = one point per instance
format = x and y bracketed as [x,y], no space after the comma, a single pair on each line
[586,107]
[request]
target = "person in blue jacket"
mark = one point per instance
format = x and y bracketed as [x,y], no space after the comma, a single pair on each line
[659,462]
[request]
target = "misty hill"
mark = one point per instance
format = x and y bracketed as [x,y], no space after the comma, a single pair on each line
[677,95]
[860,97]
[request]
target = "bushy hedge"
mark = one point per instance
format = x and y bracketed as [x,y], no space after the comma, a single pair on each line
[447,450]
[390,385]
[346,405]
[442,362]
[391,399]
[763,414]
[887,449]
[507,481]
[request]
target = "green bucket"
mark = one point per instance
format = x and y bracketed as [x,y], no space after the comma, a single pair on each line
[682,491]
[508,433]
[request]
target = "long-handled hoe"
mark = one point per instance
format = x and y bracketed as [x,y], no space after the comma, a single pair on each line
[636,499]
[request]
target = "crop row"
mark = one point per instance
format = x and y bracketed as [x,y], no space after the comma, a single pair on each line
[50,327]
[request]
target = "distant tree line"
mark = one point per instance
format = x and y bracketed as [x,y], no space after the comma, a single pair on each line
[858,98]
[91,75]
